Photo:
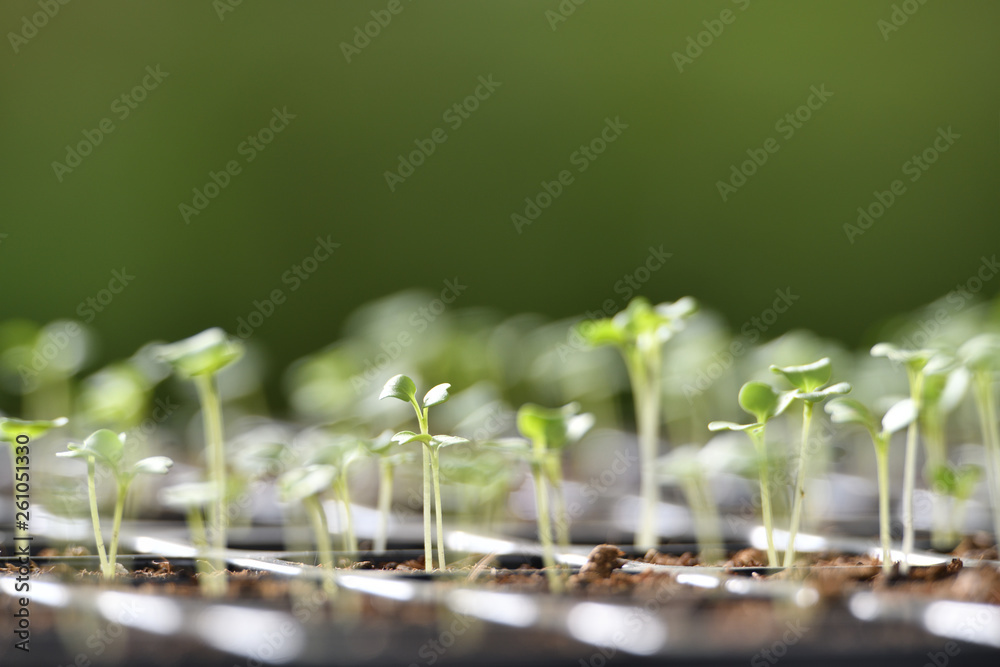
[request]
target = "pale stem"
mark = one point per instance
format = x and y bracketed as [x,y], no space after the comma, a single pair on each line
[910,469]
[765,494]
[211,411]
[435,467]
[384,503]
[95,516]
[800,491]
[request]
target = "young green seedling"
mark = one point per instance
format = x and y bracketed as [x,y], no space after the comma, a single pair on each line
[483,482]
[383,448]
[191,499]
[898,417]
[764,403]
[916,362]
[402,388]
[982,357]
[639,332]
[685,466]
[943,391]
[199,358]
[107,449]
[10,429]
[958,483]
[549,431]
[340,453]
[808,381]
[306,485]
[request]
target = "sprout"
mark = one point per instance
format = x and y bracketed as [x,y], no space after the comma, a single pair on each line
[688,464]
[383,448]
[10,429]
[764,403]
[898,417]
[809,381]
[982,357]
[916,363]
[106,448]
[340,453]
[639,332]
[306,484]
[402,388]
[200,358]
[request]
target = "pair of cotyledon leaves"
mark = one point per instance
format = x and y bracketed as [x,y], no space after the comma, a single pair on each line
[205,353]
[402,388]
[108,448]
[10,428]
[765,403]
[639,319]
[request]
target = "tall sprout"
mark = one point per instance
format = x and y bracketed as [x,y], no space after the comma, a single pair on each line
[639,332]
[982,357]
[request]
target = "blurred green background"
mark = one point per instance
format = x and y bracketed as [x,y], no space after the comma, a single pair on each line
[656,185]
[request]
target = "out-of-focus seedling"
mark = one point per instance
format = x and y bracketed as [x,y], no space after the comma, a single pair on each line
[402,388]
[898,417]
[639,332]
[191,499]
[982,357]
[10,430]
[107,449]
[384,449]
[958,483]
[307,485]
[199,358]
[764,403]
[688,466]
[341,452]
[915,362]
[809,381]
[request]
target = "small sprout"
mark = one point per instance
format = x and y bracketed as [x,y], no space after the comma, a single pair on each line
[809,381]
[688,465]
[639,332]
[403,388]
[765,403]
[191,499]
[307,484]
[107,449]
[549,431]
[10,429]
[917,363]
[340,452]
[981,356]
[898,417]
[384,448]
[199,358]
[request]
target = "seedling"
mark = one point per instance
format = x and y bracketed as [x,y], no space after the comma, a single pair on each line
[898,417]
[402,388]
[639,332]
[106,448]
[808,381]
[340,453]
[764,403]
[982,357]
[685,465]
[383,449]
[306,485]
[958,483]
[10,429]
[191,498]
[199,358]
[915,362]
[482,480]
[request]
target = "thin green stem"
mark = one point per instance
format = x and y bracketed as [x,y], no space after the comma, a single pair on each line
[386,474]
[706,529]
[765,494]
[95,516]
[983,390]
[211,411]
[910,468]
[545,527]
[882,466]
[435,470]
[112,563]
[559,500]
[317,517]
[344,495]
[644,372]
[800,479]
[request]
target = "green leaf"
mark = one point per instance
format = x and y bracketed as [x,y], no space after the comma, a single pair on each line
[406,437]
[601,332]
[762,401]
[381,445]
[982,352]
[190,495]
[10,428]
[555,427]
[899,416]
[205,353]
[446,440]
[732,426]
[437,395]
[401,387]
[820,395]
[809,377]
[311,480]
[104,445]
[154,465]
[850,411]
[914,359]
